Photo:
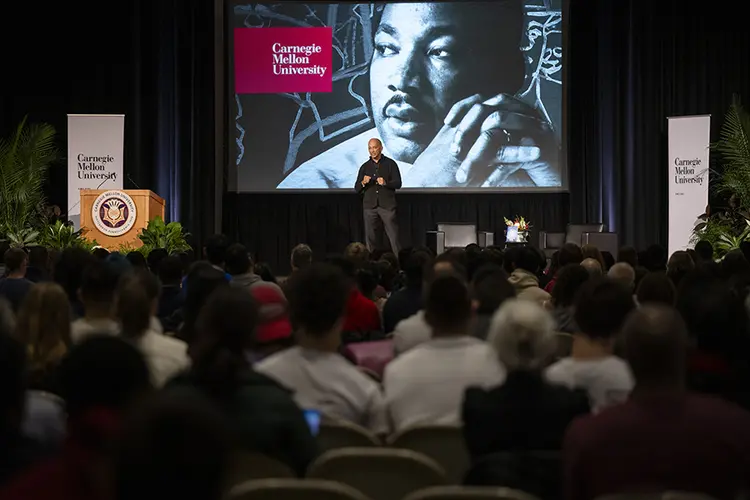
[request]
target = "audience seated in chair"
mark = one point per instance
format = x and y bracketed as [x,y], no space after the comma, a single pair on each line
[662,437]
[261,412]
[526,264]
[489,289]
[415,330]
[408,301]
[320,378]
[600,310]
[525,412]
[426,385]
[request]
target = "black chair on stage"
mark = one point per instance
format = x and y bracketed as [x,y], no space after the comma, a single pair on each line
[457,235]
[580,234]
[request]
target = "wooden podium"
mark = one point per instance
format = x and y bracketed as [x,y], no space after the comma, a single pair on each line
[115,217]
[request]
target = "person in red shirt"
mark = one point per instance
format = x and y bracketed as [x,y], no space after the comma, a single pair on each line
[362,314]
[664,437]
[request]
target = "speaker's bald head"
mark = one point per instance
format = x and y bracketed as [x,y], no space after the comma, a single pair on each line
[655,344]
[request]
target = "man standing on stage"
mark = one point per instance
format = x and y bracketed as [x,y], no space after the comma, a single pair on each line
[377,181]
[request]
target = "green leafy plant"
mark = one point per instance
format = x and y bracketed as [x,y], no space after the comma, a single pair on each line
[25,158]
[734,148]
[728,241]
[22,238]
[727,227]
[59,236]
[126,248]
[170,237]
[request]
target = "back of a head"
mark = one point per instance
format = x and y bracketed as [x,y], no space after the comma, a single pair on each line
[204,278]
[176,446]
[679,264]
[713,312]
[592,252]
[656,258]
[317,298]
[44,324]
[100,253]
[237,260]
[137,260]
[155,258]
[569,280]
[734,264]
[628,255]
[656,288]
[414,266]
[368,278]
[570,253]
[601,307]
[705,250]
[357,254]
[99,283]
[448,304]
[15,259]
[654,345]
[224,331]
[302,256]
[528,259]
[491,288]
[170,270]
[215,249]
[592,266]
[623,273]
[102,371]
[137,298]
[444,263]
[522,333]
[70,268]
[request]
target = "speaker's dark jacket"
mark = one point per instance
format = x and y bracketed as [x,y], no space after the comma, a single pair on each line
[374,195]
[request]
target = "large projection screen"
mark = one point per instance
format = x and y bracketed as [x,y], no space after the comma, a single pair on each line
[465,96]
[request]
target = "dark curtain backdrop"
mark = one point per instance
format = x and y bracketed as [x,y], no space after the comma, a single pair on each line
[272,224]
[149,59]
[629,65]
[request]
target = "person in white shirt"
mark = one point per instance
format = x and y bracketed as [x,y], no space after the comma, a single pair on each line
[415,330]
[136,304]
[601,307]
[320,378]
[426,385]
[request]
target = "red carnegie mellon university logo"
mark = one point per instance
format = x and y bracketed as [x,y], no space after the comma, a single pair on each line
[276,60]
[114,213]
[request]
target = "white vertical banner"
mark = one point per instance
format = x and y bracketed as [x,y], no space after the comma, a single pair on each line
[687,172]
[95,151]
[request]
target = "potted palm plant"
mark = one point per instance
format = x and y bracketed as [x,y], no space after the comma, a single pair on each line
[25,158]
[726,227]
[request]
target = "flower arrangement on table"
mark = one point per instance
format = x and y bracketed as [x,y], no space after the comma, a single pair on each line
[520,229]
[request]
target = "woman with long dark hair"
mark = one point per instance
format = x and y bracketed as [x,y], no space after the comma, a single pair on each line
[263,415]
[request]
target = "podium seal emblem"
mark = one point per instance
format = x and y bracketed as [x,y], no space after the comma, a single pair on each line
[114,213]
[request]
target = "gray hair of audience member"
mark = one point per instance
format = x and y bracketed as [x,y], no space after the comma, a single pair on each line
[622,272]
[655,343]
[522,333]
[7,319]
[593,266]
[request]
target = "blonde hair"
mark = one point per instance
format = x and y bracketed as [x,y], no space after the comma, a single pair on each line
[43,325]
[522,333]
[357,253]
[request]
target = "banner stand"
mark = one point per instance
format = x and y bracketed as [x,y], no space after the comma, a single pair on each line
[95,154]
[687,176]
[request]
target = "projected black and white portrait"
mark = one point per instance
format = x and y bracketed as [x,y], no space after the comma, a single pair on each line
[462,95]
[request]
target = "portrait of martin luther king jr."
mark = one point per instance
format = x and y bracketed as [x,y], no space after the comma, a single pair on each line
[442,83]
